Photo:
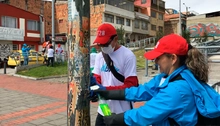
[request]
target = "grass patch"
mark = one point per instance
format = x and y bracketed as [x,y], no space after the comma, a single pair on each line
[44,71]
[140,58]
[61,69]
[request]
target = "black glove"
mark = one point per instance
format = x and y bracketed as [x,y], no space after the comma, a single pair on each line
[111,94]
[114,120]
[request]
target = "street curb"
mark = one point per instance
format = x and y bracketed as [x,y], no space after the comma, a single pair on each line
[41,78]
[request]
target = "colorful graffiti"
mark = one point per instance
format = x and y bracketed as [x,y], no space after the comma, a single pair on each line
[199,29]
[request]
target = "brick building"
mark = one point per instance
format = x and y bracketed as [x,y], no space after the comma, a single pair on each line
[17,27]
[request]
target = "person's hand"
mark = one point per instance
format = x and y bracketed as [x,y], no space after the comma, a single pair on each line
[92,81]
[114,120]
[94,86]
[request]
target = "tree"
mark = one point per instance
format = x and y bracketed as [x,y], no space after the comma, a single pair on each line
[159,35]
[121,35]
[186,34]
[205,36]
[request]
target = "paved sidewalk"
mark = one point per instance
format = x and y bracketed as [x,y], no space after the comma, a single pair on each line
[28,102]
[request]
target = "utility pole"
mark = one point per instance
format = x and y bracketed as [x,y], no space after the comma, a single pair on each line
[78,105]
[186,9]
[180,19]
[53,26]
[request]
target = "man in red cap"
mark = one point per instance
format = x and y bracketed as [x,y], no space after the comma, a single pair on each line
[124,62]
[59,51]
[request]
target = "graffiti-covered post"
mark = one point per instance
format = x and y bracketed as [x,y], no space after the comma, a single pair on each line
[78,62]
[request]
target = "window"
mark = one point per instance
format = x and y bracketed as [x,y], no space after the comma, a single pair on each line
[60,20]
[136,24]
[153,14]
[10,22]
[33,25]
[109,18]
[153,27]
[123,4]
[120,20]
[160,16]
[144,25]
[154,2]
[161,4]
[160,28]
[128,22]
[143,1]
[32,47]
[15,47]
[97,2]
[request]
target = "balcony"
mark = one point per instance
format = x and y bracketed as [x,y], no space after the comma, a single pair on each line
[154,6]
[140,27]
[118,11]
[141,16]
[162,9]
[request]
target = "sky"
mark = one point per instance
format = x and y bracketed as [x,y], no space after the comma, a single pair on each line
[199,6]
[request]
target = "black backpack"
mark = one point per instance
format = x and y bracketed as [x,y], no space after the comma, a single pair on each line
[202,121]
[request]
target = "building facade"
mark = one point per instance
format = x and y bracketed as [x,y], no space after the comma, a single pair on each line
[17,27]
[155,9]
[116,12]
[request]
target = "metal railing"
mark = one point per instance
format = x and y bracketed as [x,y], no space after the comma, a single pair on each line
[206,50]
[142,43]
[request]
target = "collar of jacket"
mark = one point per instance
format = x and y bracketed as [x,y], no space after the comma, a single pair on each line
[172,75]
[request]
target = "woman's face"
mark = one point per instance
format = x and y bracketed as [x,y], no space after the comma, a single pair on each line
[166,63]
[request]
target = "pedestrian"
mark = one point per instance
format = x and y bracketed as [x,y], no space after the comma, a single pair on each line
[124,63]
[178,95]
[25,53]
[93,54]
[59,51]
[50,56]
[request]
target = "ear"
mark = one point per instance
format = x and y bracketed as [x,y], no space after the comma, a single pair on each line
[115,38]
[174,58]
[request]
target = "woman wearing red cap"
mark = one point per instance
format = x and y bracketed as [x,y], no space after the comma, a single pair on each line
[176,96]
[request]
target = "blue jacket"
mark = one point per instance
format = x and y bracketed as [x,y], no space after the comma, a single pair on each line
[179,100]
[25,51]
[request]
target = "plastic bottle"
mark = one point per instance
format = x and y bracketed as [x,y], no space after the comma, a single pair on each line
[102,103]
[104,107]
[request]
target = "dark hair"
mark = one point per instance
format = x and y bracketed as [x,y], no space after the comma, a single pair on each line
[196,63]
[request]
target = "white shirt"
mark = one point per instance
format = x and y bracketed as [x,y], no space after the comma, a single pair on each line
[50,52]
[125,63]
[92,59]
[59,50]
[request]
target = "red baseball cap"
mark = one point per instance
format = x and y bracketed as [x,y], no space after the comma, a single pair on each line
[173,44]
[104,33]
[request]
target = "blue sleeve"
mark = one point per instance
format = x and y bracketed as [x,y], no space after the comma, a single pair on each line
[28,49]
[155,110]
[23,49]
[143,92]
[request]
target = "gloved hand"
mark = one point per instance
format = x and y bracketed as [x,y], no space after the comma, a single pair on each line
[114,120]
[92,81]
[94,86]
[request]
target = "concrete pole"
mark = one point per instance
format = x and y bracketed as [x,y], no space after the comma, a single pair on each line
[53,24]
[78,63]
[180,19]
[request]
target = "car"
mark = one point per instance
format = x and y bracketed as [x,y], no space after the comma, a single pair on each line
[16,58]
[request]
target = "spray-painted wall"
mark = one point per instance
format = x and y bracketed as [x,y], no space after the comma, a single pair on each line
[198,25]
[211,29]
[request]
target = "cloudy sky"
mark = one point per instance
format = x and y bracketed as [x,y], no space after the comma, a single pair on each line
[200,6]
